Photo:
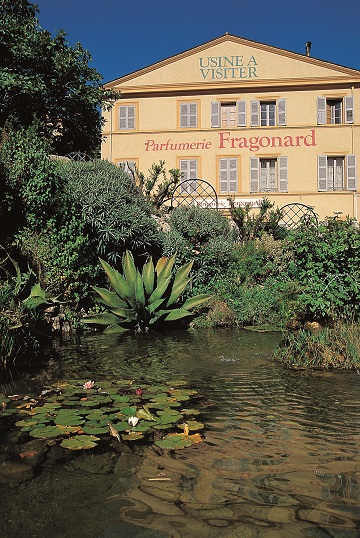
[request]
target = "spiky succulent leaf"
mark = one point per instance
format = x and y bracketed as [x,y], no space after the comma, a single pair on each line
[118,282]
[110,298]
[196,301]
[160,264]
[129,270]
[139,290]
[102,319]
[154,306]
[159,290]
[127,313]
[148,276]
[183,272]
[166,269]
[177,289]
[176,314]
[115,329]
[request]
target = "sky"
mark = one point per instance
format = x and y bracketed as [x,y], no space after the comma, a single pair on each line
[123,36]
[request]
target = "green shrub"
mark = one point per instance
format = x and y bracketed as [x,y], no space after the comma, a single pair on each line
[117,214]
[337,347]
[327,268]
[205,236]
[252,224]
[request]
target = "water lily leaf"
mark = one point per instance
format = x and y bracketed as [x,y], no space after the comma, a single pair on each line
[169,419]
[121,426]
[6,412]
[128,411]
[193,425]
[190,412]
[174,441]
[95,430]
[80,442]
[119,398]
[144,413]
[132,436]
[69,420]
[46,432]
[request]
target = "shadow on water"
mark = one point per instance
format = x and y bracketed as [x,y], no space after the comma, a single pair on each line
[280,456]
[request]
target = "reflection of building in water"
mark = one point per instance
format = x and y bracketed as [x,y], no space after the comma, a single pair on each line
[251,119]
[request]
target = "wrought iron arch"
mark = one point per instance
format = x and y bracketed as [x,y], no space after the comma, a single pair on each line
[295,214]
[78,156]
[195,192]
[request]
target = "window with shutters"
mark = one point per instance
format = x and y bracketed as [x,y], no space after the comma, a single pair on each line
[268,113]
[189,173]
[336,173]
[228,114]
[188,115]
[228,175]
[127,117]
[269,175]
[335,110]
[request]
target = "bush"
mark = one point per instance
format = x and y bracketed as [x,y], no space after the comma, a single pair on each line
[115,211]
[205,236]
[337,347]
[327,268]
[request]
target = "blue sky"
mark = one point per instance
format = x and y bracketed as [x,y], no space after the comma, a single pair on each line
[123,36]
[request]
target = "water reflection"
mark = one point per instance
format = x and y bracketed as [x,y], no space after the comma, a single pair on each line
[281,455]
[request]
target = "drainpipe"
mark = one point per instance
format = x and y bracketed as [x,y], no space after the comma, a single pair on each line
[110,141]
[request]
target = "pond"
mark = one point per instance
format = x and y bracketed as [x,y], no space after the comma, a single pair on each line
[280,456]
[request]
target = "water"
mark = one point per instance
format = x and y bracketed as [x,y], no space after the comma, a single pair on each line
[280,456]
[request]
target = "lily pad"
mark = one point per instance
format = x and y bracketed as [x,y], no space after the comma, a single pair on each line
[132,436]
[174,441]
[80,442]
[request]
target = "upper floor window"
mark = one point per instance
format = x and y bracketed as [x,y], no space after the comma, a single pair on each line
[126,117]
[189,172]
[188,115]
[228,175]
[268,113]
[269,175]
[228,114]
[336,173]
[335,110]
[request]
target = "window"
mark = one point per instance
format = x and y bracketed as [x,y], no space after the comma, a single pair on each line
[128,167]
[228,175]
[229,114]
[268,113]
[126,117]
[336,173]
[269,175]
[188,115]
[335,110]
[189,169]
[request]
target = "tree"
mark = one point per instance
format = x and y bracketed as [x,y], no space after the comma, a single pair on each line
[43,77]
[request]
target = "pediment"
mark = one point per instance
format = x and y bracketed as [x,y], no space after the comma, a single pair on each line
[232,60]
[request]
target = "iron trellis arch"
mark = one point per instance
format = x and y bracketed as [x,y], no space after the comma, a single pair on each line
[293,214]
[204,195]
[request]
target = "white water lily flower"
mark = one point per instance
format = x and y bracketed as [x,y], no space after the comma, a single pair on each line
[132,421]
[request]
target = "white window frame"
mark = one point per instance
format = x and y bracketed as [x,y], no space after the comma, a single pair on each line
[188,115]
[127,117]
[228,172]
[220,109]
[326,166]
[189,170]
[281,174]
[347,110]
[256,117]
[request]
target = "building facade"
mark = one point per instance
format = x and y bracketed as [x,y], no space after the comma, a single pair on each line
[250,119]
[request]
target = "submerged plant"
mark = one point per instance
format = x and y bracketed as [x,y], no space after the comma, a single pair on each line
[141,299]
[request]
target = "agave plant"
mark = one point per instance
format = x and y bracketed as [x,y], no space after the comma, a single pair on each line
[141,299]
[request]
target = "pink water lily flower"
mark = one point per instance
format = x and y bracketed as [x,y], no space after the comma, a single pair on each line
[88,385]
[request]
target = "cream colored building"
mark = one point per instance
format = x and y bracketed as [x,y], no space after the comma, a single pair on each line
[250,119]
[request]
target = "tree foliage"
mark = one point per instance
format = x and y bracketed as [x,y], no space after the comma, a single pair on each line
[44,77]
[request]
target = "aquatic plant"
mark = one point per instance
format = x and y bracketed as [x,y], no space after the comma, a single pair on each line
[142,299]
[80,414]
